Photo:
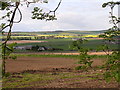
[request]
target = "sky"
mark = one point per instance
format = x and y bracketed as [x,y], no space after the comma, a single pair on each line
[83,15]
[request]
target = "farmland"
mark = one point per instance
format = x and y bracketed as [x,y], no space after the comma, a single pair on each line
[51,35]
[59,41]
[54,71]
[50,62]
[65,44]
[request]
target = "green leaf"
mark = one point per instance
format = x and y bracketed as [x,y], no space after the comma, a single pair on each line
[90,63]
[117,76]
[45,1]
[104,5]
[3,5]
[14,57]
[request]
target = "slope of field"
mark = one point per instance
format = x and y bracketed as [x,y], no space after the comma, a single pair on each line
[43,72]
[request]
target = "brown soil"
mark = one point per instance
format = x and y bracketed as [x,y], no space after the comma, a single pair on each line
[74,53]
[42,63]
[24,41]
[38,63]
[56,66]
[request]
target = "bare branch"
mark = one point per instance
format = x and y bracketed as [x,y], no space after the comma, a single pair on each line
[56,7]
[20,17]
[4,28]
[54,11]
[11,24]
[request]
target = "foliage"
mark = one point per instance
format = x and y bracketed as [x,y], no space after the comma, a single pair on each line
[85,59]
[38,14]
[112,64]
[3,5]
[112,35]
[113,67]
[11,8]
[7,49]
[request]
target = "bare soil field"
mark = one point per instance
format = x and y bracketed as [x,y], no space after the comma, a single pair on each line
[42,63]
[24,41]
[49,72]
[38,63]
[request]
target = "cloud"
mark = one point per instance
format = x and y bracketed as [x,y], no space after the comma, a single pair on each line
[77,14]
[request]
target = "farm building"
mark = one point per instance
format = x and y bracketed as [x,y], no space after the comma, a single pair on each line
[27,47]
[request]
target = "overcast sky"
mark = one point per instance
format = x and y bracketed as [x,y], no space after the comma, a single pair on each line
[72,15]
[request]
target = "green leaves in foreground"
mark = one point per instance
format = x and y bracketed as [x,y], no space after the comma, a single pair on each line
[113,67]
[8,49]
[112,75]
[39,14]
[84,58]
[3,5]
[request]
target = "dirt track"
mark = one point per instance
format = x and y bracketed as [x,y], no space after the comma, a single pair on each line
[42,63]
[73,53]
[25,41]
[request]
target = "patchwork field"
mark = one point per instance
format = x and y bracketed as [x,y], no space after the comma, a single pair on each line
[55,65]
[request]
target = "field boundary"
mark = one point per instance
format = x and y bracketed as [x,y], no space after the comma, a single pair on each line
[73,53]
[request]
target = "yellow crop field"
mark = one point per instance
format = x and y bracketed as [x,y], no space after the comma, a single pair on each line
[90,36]
[45,35]
[65,36]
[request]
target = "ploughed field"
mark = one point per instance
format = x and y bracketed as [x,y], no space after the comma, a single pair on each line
[38,63]
[53,72]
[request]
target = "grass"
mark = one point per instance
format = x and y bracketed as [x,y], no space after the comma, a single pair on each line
[65,44]
[73,75]
[26,81]
[41,79]
[53,43]
[60,55]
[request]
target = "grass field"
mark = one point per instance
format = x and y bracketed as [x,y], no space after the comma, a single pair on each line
[65,44]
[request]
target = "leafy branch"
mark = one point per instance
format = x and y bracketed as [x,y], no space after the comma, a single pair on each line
[39,14]
[112,64]
[7,49]
[84,58]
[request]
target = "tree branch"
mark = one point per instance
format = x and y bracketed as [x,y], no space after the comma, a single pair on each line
[11,24]
[56,8]
[4,28]
[20,17]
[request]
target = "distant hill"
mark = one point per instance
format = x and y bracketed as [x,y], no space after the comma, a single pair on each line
[72,32]
[60,32]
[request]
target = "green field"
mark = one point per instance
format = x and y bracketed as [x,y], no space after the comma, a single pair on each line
[60,39]
[65,44]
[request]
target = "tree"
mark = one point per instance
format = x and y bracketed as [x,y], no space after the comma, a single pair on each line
[37,13]
[112,65]
[84,58]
